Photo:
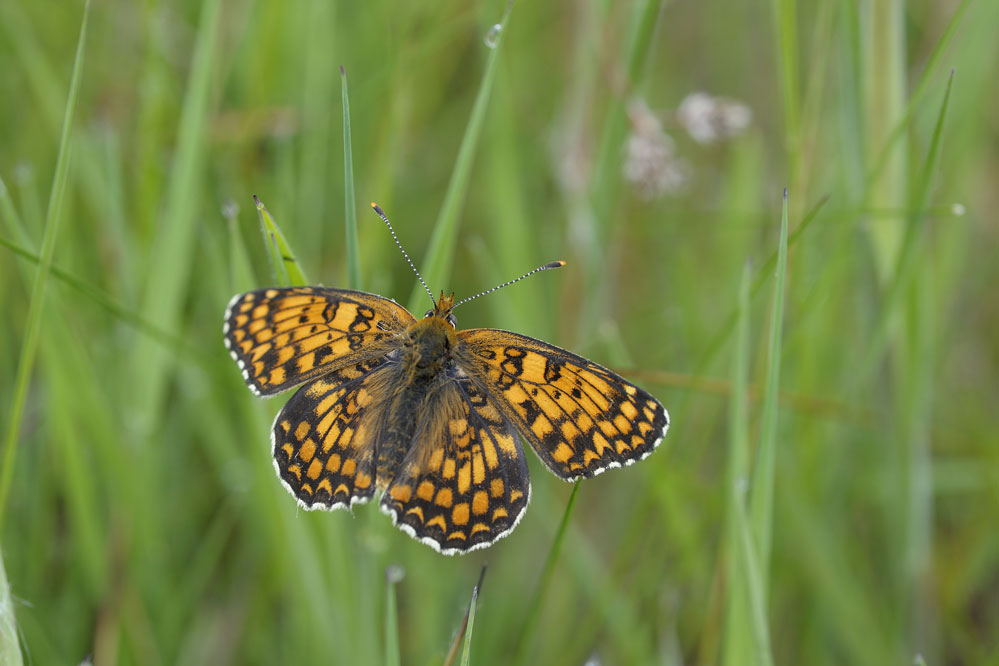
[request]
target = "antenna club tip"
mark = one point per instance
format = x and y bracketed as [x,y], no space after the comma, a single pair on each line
[378,209]
[555,264]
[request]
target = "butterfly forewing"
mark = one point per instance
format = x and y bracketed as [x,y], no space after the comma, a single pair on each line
[464,483]
[283,337]
[580,418]
[322,438]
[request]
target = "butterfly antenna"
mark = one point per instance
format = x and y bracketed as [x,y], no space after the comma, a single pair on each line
[548,266]
[381,214]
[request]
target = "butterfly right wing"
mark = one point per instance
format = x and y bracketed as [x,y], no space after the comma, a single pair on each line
[324,439]
[282,337]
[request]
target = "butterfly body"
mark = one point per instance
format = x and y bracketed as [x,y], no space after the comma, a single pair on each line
[432,417]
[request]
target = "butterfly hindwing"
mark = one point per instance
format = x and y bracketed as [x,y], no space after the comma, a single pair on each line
[322,438]
[282,337]
[580,417]
[464,483]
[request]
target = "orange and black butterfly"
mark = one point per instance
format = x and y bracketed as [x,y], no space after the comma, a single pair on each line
[432,418]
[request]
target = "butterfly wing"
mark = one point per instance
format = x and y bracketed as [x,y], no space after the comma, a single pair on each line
[323,439]
[283,337]
[580,418]
[464,483]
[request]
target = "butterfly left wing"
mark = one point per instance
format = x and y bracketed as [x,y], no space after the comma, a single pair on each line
[580,417]
[323,440]
[464,483]
[282,337]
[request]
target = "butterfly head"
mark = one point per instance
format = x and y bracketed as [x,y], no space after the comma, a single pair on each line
[442,308]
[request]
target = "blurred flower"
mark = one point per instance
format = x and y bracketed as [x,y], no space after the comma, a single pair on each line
[650,163]
[708,119]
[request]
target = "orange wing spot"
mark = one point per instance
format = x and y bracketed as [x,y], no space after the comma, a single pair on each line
[439,521]
[241,320]
[315,467]
[425,491]
[496,487]
[265,334]
[480,502]
[444,498]
[628,409]
[607,428]
[447,471]
[308,450]
[261,311]
[326,404]
[288,449]
[478,469]
[239,334]
[345,316]
[562,453]
[600,443]
[246,305]
[492,460]
[457,535]
[362,480]
[296,470]
[644,427]
[401,494]
[459,515]
[584,422]
[457,426]
[621,446]
[306,488]
[575,467]
[464,479]
[630,390]
[349,467]
[246,346]
[569,430]
[285,425]
[307,362]
[325,485]
[636,441]
[541,427]
[479,527]
[342,489]
[436,458]
[589,456]
[302,430]
[277,376]
[506,444]
[515,495]
[649,414]
[258,368]
[333,464]
[500,512]
[415,511]
[271,293]
[623,424]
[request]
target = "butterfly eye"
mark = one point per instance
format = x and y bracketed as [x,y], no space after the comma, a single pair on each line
[428,313]
[451,320]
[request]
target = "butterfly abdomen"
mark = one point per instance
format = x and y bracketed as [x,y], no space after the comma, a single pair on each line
[424,359]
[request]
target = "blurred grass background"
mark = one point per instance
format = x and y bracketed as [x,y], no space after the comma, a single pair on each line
[143,524]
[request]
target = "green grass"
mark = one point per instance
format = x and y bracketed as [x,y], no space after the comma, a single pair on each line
[829,487]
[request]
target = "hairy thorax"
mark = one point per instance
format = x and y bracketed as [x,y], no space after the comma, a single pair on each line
[423,364]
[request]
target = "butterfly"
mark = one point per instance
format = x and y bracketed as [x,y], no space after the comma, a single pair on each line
[432,418]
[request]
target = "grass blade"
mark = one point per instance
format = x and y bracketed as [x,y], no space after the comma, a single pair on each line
[36,307]
[287,271]
[440,251]
[761,503]
[349,205]
[527,630]
[393,574]
[10,648]
[463,638]
[737,634]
